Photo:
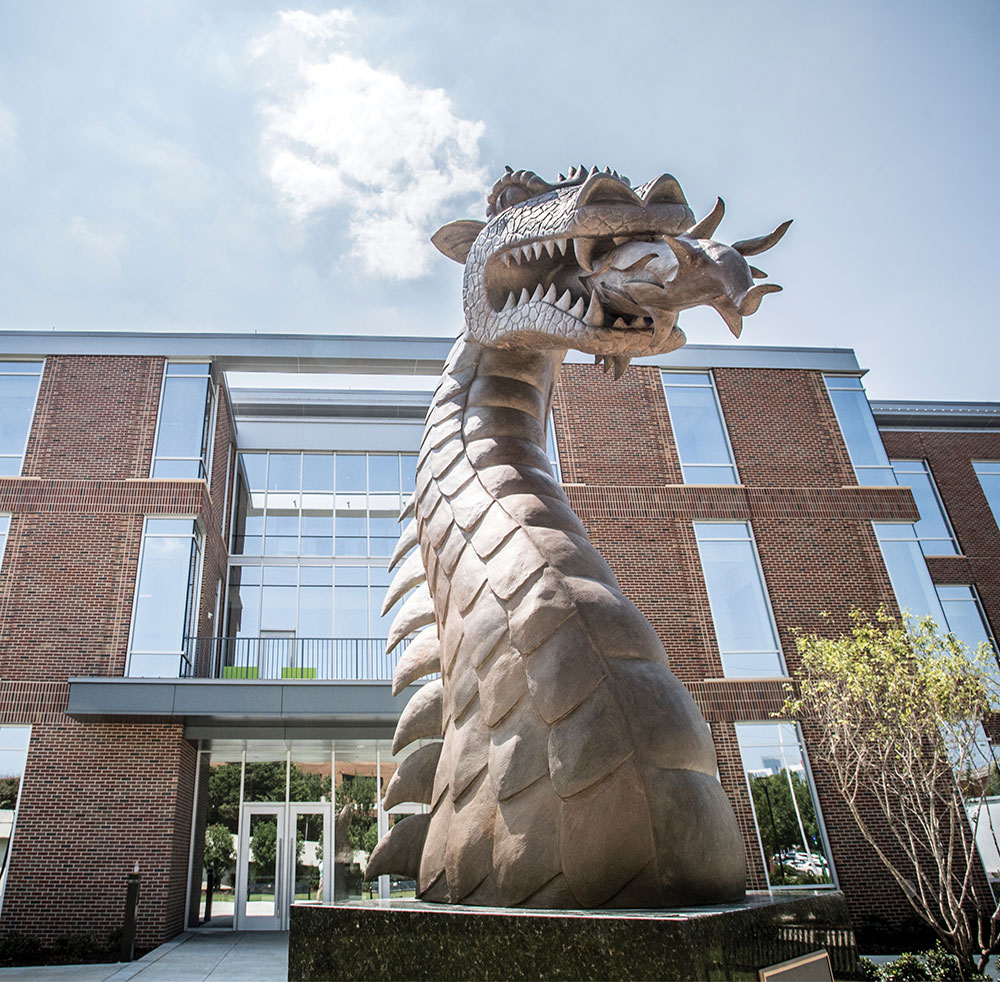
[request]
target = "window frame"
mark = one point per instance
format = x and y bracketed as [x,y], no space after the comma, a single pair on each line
[751,538]
[814,794]
[886,468]
[17,804]
[941,620]
[926,472]
[5,522]
[205,460]
[993,471]
[664,384]
[192,604]
[978,604]
[42,363]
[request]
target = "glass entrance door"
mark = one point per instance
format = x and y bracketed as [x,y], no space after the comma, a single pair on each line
[310,842]
[282,860]
[260,903]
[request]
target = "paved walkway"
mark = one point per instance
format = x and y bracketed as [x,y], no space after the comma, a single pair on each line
[219,956]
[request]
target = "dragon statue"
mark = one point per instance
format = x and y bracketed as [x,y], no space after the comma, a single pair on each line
[567,766]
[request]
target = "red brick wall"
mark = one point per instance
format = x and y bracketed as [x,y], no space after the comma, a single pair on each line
[950,455]
[97,798]
[95,418]
[613,432]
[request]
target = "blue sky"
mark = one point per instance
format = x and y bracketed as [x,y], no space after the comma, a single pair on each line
[231,166]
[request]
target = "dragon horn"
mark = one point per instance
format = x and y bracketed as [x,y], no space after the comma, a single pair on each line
[751,247]
[705,229]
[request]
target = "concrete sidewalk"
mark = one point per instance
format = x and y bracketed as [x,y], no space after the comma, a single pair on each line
[221,956]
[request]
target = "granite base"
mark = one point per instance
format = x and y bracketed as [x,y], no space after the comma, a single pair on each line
[412,940]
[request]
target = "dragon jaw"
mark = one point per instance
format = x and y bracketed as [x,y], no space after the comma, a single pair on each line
[545,272]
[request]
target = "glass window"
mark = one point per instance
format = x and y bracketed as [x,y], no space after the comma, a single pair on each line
[184,424]
[933,531]
[857,425]
[789,825]
[551,449]
[165,609]
[699,430]
[988,472]
[13,755]
[741,613]
[964,614]
[904,562]
[320,505]
[19,382]
[4,529]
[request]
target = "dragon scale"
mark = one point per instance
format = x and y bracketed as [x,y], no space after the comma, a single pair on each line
[566,765]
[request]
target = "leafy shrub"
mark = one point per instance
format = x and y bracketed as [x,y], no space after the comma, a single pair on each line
[907,968]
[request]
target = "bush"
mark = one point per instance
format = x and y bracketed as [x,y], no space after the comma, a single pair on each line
[907,968]
[934,965]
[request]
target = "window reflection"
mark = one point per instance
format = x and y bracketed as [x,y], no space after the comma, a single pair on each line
[699,431]
[784,802]
[13,755]
[184,423]
[904,562]
[744,628]
[933,529]
[861,435]
[988,472]
[19,383]
[165,609]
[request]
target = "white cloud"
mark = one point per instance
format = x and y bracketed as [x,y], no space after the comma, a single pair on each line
[342,133]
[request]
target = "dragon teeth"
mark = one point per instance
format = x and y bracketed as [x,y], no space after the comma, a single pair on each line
[563,303]
[595,312]
[561,245]
[577,309]
[527,252]
[538,249]
[550,294]
[511,302]
[525,296]
[620,323]
[550,248]
[539,292]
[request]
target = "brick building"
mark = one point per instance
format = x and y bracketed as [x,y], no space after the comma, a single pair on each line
[193,553]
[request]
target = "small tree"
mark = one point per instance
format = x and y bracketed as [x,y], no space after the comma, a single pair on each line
[218,860]
[899,708]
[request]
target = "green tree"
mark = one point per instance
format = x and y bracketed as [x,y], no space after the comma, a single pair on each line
[220,853]
[264,844]
[898,709]
[224,795]
[359,792]
[9,787]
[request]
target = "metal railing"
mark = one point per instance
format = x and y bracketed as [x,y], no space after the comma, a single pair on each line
[353,659]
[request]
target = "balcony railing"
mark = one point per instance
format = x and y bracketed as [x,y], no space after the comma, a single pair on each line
[354,659]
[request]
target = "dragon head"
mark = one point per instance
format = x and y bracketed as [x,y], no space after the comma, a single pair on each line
[591,263]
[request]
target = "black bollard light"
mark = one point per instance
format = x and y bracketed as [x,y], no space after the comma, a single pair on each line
[131,914]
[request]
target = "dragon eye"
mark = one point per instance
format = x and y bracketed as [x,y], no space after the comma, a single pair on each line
[513,195]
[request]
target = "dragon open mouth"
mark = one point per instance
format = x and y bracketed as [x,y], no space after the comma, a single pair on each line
[560,272]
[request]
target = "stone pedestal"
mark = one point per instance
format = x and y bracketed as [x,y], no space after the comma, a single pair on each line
[412,940]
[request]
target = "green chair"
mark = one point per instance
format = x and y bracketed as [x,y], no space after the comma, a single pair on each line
[298,673]
[239,672]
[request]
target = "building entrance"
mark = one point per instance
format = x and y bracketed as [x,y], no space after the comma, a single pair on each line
[280,861]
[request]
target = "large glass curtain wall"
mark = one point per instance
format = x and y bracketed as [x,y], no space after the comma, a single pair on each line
[342,780]
[311,541]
